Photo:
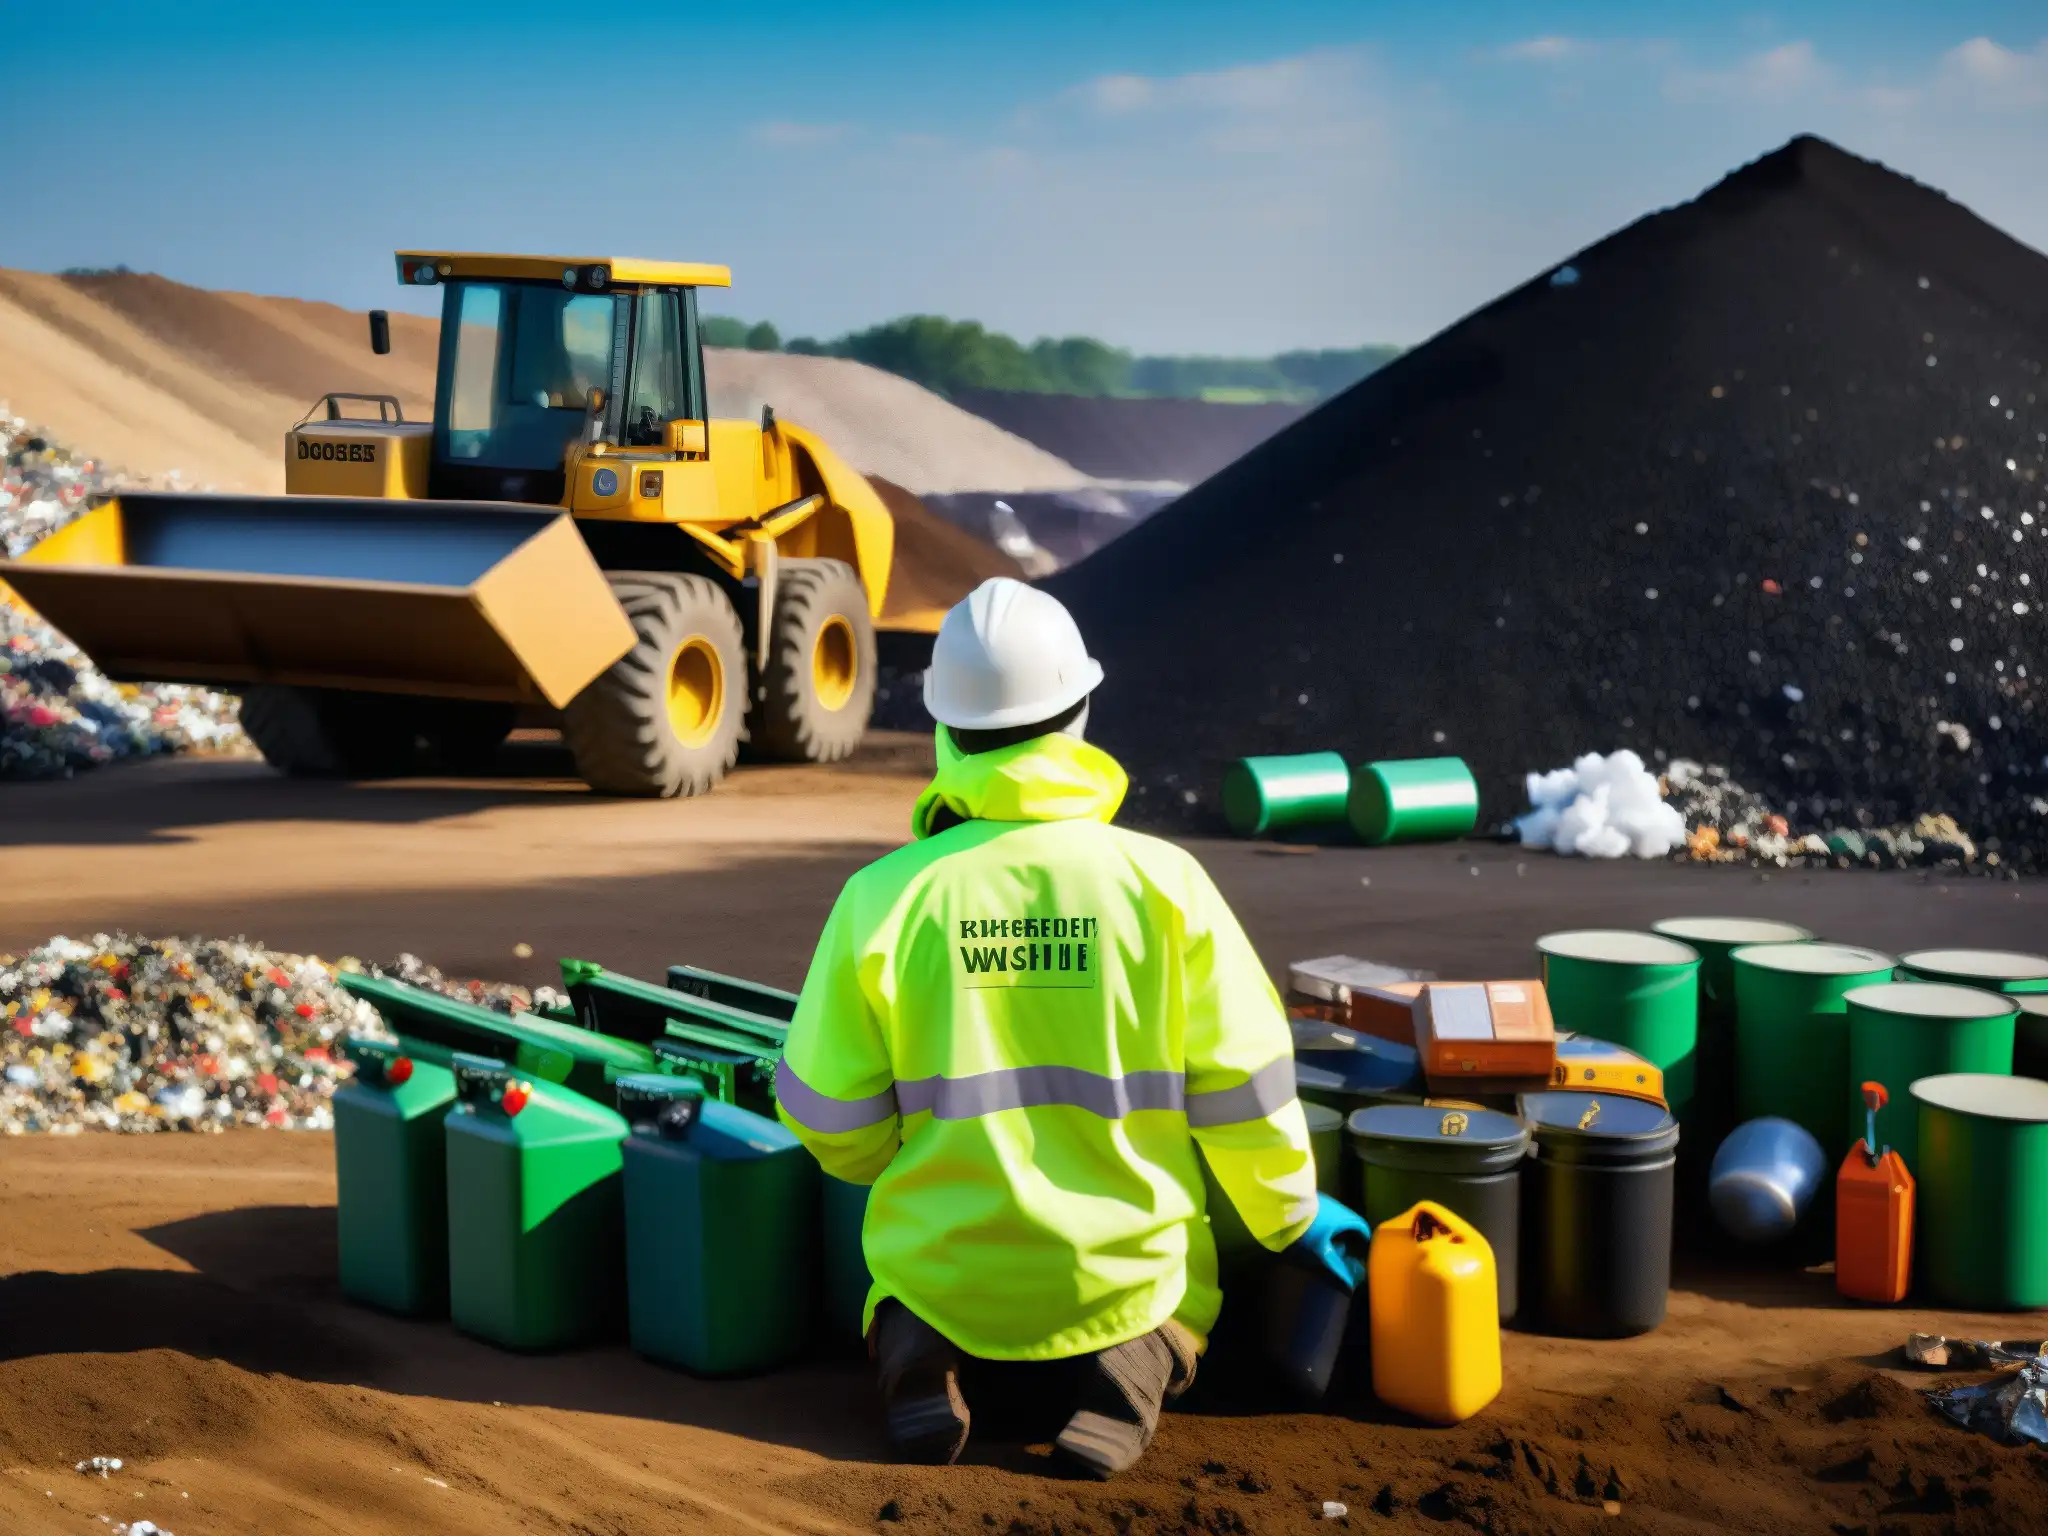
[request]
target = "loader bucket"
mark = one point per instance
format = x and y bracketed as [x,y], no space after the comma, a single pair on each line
[471,600]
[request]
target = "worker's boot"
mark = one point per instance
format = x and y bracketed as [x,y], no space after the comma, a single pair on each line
[1121,1393]
[920,1376]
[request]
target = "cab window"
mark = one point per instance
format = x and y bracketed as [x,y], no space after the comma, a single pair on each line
[655,395]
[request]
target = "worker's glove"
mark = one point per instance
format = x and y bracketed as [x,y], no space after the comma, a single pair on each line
[1336,1243]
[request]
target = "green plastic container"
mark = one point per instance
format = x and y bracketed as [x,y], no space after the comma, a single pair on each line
[1993,970]
[1716,939]
[733,991]
[642,1011]
[1639,991]
[1413,800]
[536,1240]
[844,1208]
[391,1179]
[435,1028]
[2030,1036]
[1792,1033]
[1982,1196]
[721,1231]
[1902,1031]
[1271,794]
[733,1069]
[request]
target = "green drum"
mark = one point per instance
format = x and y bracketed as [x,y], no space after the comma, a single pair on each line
[1636,990]
[2030,1036]
[1902,1031]
[1982,1191]
[1268,794]
[1414,800]
[1994,970]
[1717,939]
[1792,1032]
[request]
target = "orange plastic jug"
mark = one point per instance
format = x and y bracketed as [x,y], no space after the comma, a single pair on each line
[1435,1315]
[1873,1216]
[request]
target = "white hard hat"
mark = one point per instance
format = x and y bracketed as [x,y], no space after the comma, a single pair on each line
[1007,654]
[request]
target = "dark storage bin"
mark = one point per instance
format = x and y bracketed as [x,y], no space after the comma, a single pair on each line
[844,1211]
[1466,1160]
[1363,1073]
[1596,1222]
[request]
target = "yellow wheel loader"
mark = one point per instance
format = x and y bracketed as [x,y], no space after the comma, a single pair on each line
[571,538]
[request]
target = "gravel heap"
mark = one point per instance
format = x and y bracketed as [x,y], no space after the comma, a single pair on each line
[57,712]
[1759,478]
[122,1033]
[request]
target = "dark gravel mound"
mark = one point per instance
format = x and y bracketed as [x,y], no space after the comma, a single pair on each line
[1757,480]
[1182,441]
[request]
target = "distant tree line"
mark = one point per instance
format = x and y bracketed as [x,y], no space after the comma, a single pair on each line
[948,356]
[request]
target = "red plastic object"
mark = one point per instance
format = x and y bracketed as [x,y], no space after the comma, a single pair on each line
[516,1095]
[399,1071]
[1873,1216]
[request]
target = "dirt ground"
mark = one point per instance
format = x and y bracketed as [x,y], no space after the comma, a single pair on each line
[171,1300]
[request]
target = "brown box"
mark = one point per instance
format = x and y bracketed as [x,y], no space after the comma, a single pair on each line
[1361,995]
[1495,1033]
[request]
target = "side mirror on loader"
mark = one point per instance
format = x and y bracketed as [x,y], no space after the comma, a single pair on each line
[692,437]
[380,332]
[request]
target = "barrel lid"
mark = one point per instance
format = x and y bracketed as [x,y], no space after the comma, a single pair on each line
[2035,1003]
[1989,1094]
[1731,930]
[1929,1000]
[1435,1127]
[1814,959]
[1569,1112]
[1617,946]
[1976,964]
[1587,1045]
[1368,1066]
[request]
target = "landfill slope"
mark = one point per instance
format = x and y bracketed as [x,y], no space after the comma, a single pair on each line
[1757,480]
[1178,442]
[937,563]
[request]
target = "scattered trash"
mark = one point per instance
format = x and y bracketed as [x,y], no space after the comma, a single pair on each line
[1333,1510]
[1934,1352]
[132,1034]
[98,1465]
[141,1528]
[1729,825]
[2012,1408]
[1601,808]
[437,1482]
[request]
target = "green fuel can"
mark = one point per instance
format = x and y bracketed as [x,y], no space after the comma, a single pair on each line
[1792,1033]
[536,1241]
[1902,1031]
[721,1231]
[1413,800]
[1271,794]
[1982,1195]
[391,1179]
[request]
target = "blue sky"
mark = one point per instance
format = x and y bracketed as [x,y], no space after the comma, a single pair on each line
[1197,176]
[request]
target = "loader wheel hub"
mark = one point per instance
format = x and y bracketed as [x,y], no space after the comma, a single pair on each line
[835,663]
[696,691]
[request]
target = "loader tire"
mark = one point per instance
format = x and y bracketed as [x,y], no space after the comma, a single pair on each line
[665,718]
[333,733]
[812,700]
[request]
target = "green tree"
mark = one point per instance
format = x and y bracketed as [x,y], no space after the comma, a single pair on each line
[763,337]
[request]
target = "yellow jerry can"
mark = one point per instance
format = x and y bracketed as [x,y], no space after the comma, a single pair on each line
[1435,1315]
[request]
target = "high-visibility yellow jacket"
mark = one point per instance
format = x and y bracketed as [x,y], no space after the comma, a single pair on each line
[1017,1029]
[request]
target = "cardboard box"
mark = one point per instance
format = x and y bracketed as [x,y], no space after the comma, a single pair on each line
[1361,995]
[1490,1033]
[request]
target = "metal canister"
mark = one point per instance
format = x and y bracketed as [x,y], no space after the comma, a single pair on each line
[1792,1033]
[1983,1190]
[1764,1177]
[2030,1036]
[1413,800]
[1715,939]
[1639,990]
[1993,970]
[1270,794]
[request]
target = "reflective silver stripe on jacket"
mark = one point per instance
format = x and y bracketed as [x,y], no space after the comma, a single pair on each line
[1266,1091]
[989,1093]
[827,1115]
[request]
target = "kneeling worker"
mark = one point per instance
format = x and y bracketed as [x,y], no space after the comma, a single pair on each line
[1017,1028]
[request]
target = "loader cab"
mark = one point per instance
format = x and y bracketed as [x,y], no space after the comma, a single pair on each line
[541,354]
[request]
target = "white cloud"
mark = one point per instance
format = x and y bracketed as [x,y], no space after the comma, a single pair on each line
[791,135]
[1549,49]
[2002,74]
[1785,73]
[1319,98]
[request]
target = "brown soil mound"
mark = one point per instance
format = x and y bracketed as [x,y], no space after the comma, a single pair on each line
[937,564]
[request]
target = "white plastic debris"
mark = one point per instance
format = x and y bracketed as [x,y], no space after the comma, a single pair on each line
[1332,1510]
[1600,808]
[98,1465]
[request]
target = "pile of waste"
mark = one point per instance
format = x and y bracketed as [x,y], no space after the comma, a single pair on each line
[58,714]
[1796,524]
[1726,824]
[122,1033]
